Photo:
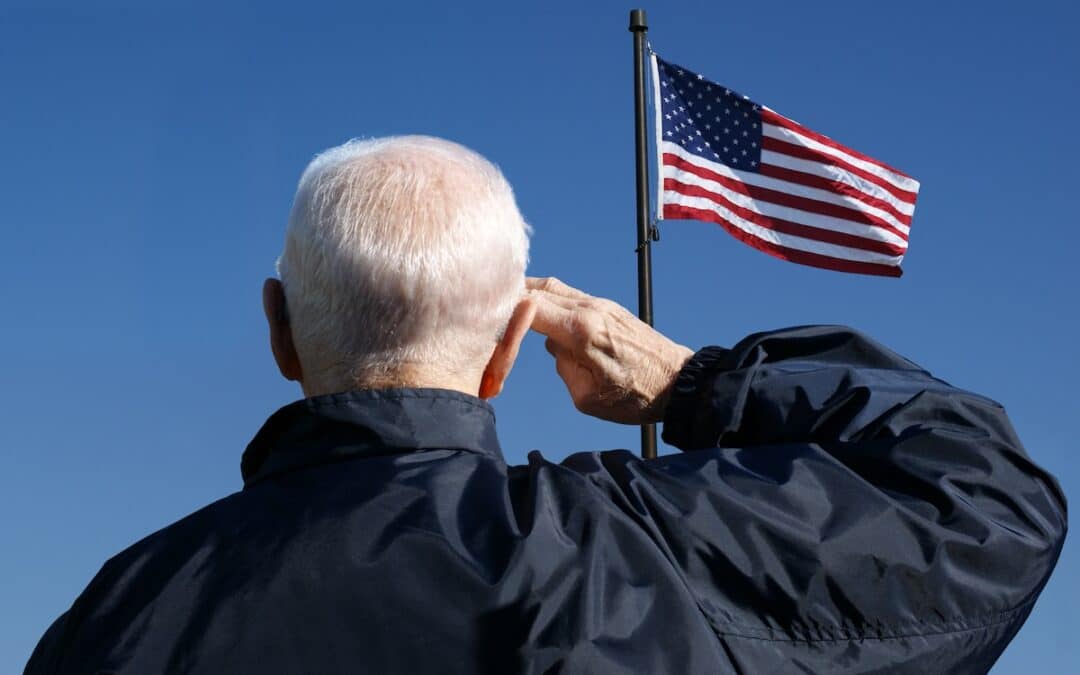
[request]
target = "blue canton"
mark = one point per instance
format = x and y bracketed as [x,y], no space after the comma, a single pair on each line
[709,120]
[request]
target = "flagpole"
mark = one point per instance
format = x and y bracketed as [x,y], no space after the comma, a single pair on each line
[645,234]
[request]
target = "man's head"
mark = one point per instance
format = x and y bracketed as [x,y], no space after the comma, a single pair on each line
[404,262]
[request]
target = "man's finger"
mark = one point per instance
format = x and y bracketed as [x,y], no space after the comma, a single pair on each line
[555,287]
[552,347]
[568,373]
[560,300]
[551,319]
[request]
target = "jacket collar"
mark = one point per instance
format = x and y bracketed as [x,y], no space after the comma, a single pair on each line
[369,422]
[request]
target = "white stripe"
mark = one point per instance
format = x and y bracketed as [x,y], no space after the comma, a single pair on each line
[771,210]
[656,146]
[782,134]
[786,240]
[756,179]
[836,173]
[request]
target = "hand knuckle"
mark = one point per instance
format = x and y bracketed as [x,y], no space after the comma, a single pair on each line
[610,306]
[550,284]
[582,325]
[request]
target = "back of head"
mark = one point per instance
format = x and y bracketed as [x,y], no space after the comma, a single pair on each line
[402,254]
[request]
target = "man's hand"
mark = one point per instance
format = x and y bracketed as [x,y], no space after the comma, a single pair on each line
[615,366]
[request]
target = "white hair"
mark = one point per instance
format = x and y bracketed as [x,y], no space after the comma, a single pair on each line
[400,251]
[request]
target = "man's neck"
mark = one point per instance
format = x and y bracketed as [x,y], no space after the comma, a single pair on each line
[405,377]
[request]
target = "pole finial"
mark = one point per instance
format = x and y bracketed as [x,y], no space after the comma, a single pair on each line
[637,20]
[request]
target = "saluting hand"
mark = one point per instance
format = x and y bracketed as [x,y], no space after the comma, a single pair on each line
[615,366]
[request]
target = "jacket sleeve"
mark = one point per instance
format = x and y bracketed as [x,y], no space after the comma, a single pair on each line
[835,496]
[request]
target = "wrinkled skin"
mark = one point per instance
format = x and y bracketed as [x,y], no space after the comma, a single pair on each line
[615,366]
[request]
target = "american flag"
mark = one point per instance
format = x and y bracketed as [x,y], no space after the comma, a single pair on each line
[773,183]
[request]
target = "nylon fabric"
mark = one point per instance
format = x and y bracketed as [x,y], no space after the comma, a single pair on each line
[836,509]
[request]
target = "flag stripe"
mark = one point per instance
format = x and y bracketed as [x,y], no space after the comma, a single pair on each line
[801,152]
[784,252]
[834,173]
[782,193]
[791,241]
[835,186]
[771,210]
[786,226]
[774,118]
[783,134]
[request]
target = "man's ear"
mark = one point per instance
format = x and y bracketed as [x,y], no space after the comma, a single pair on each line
[281,342]
[506,351]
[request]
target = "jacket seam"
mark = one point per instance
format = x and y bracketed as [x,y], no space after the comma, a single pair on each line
[980,623]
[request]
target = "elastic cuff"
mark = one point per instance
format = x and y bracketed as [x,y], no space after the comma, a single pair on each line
[692,383]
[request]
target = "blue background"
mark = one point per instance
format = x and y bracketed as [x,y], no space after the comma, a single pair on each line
[148,158]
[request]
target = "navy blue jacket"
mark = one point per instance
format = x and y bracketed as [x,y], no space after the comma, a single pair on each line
[837,510]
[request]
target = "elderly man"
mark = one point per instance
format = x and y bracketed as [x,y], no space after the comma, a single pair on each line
[836,509]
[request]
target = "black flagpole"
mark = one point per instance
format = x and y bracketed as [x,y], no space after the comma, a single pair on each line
[645,234]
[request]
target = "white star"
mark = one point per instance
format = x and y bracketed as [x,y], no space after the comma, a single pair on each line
[698,132]
[700,77]
[699,95]
[716,138]
[668,115]
[744,153]
[735,141]
[753,145]
[707,127]
[670,132]
[727,131]
[746,114]
[727,111]
[736,122]
[698,148]
[707,144]
[698,114]
[716,155]
[753,163]
[746,133]
[708,107]
[725,148]
[717,118]
[754,125]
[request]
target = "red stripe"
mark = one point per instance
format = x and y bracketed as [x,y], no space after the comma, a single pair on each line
[803,152]
[676,211]
[786,226]
[771,117]
[782,198]
[834,186]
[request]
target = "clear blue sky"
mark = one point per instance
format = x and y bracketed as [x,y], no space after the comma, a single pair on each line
[148,159]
